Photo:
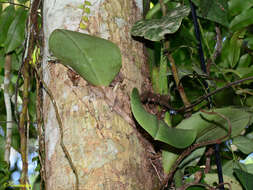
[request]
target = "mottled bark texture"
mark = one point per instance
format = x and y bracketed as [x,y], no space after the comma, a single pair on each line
[99,131]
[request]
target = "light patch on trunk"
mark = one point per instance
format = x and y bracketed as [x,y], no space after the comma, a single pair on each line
[52,131]
[139,5]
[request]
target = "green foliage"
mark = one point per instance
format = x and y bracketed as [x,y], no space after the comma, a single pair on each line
[214,10]
[6,19]
[245,178]
[244,144]
[97,60]
[4,174]
[213,126]
[242,20]
[16,33]
[236,6]
[229,21]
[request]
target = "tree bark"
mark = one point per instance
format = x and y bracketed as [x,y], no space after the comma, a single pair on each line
[99,131]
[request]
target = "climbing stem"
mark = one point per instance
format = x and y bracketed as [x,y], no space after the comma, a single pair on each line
[173,65]
[22,124]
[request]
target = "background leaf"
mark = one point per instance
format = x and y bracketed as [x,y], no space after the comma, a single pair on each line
[156,29]
[236,6]
[212,126]
[16,32]
[244,144]
[97,60]
[6,18]
[242,20]
[245,178]
[212,178]
[214,10]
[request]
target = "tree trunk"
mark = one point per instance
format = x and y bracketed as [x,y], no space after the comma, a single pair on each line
[99,132]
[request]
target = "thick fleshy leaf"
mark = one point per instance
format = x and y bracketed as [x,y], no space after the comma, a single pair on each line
[245,178]
[156,29]
[214,10]
[159,130]
[212,126]
[16,32]
[6,18]
[95,59]
[244,144]
[242,20]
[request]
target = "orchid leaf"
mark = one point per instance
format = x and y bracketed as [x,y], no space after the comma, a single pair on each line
[95,59]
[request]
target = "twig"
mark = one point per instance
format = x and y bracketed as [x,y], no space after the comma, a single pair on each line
[173,66]
[50,94]
[197,145]
[17,4]
[218,48]
[7,100]
[202,98]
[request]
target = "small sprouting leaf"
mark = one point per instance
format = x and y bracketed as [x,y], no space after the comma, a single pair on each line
[85,18]
[87,3]
[214,10]
[6,18]
[212,126]
[242,20]
[159,130]
[87,10]
[96,60]
[245,178]
[83,26]
[244,144]
[155,29]
[16,32]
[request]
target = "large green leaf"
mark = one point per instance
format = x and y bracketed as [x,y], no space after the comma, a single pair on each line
[16,32]
[244,144]
[245,178]
[214,10]
[97,60]
[155,29]
[242,20]
[5,21]
[212,126]
[159,130]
